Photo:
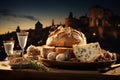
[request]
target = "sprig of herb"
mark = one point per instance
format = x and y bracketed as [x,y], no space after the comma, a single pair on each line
[37,65]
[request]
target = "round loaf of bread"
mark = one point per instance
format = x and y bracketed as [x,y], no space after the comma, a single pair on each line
[65,37]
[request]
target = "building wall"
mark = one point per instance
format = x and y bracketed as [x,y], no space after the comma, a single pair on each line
[99,16]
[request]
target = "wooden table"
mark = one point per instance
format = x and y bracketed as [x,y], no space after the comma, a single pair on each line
[58,74]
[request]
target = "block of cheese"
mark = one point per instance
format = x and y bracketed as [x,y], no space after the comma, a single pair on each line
[45,50]
[88,52]
[64,50]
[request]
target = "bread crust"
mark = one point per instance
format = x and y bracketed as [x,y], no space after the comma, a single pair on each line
[65,37]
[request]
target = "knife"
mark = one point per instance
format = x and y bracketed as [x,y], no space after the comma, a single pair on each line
[103,70]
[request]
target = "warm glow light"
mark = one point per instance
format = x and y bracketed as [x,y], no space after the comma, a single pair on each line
[17,46]
[39,42]
[118,25]
[9,26]
[2,46]
[94,34]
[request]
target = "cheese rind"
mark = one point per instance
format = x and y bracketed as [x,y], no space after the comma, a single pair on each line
[87,53]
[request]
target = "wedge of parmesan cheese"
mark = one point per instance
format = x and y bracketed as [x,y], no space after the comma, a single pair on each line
[88,52]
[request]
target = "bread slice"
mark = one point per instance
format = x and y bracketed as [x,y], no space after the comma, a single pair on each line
[88,52]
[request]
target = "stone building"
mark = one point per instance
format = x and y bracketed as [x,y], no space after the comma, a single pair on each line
[84,20]
[99,16]
[18,29]
[77,23]
[38,28]
[53,26]
[71,21]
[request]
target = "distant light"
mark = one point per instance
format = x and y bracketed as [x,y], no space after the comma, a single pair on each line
[39,42]
[94,34]
[11,38]
[2,46]
[17,46]
[118,25]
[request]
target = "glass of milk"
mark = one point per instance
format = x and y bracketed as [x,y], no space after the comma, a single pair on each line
[8,45]
[22,38]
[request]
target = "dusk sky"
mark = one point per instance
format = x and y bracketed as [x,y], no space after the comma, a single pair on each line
[26,13]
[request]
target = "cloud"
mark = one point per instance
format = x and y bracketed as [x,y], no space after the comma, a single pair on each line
[8,13]
[28,17]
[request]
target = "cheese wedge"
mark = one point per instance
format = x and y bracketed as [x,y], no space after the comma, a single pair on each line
[88,52]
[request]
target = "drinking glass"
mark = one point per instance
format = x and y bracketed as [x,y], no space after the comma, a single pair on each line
[22,38]
[8,45]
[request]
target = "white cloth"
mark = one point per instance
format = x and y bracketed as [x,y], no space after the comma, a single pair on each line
[4,65]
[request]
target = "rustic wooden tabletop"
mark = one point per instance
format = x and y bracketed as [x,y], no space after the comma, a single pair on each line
[6,73]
